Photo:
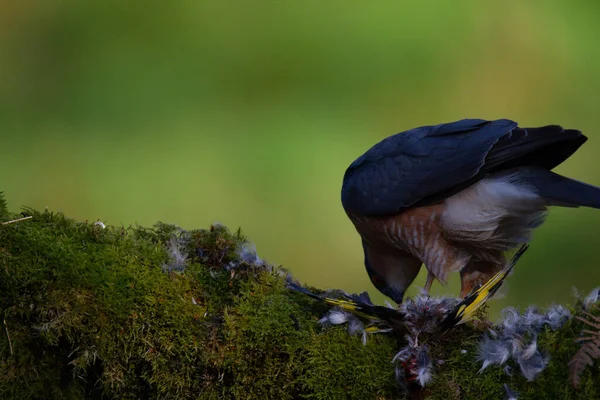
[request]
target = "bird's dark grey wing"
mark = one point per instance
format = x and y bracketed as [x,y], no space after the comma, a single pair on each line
[407,167]
[424,165]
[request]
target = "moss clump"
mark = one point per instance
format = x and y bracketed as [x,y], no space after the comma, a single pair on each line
[159,312]
[110,312]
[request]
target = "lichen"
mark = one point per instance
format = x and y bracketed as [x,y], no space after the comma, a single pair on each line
[94,311]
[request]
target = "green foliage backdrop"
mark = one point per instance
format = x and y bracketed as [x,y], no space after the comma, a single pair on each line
[247,113]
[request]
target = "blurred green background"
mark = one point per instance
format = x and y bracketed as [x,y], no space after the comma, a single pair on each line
[248,113]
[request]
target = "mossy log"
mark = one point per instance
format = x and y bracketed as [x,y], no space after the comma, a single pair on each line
[104,312]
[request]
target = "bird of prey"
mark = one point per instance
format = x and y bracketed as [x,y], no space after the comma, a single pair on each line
[457,197]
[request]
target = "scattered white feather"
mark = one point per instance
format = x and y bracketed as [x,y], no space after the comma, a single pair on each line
[532,363]
[356,326]
[177,258]
[335,317]
[424,367]
[493,352]
[556,316]
[511,319]
[509,394]
[592,298]
[247,253]
[417,358]
[516,338]
[516,345]
[530,350]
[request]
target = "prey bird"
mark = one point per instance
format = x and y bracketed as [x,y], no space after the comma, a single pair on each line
[457,197]
[421,314]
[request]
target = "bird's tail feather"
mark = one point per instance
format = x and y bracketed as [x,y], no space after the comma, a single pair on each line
[351,304]
[562,191]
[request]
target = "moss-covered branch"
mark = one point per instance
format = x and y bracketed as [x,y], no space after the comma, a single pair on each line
[109,312]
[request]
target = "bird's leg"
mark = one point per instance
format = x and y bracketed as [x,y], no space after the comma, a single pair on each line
[428,282]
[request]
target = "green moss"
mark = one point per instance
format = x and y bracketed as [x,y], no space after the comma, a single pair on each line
[97,312]
[3,207]
[84,303]
[340,367]
[93,312]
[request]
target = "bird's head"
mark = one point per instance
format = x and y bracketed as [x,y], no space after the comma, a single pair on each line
[394,293]
[391,271]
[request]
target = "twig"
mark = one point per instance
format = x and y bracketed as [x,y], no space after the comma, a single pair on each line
[8,336]
[16,220]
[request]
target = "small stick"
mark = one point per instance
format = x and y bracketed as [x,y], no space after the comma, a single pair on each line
[16,220]
[8,336]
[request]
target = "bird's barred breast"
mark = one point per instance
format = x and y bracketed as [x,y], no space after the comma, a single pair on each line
[417,231]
